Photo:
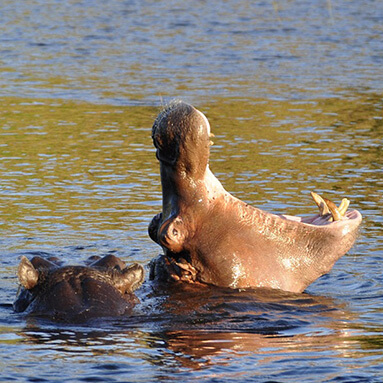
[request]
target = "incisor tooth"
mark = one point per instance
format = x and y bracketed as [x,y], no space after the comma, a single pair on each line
[343,206]
[323,208]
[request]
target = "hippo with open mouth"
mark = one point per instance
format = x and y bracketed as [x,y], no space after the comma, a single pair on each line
[77,293]
[209,236]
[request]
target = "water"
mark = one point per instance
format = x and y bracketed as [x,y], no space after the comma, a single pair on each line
[293,94]
[139,51]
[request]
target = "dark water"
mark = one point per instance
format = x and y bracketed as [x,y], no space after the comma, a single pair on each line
[293,92]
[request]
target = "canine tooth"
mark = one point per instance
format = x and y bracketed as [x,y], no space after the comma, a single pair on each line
[333,209]
[321,203]
[343,206]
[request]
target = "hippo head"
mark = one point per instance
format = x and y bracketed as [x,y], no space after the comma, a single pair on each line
[210,236]
[74,293]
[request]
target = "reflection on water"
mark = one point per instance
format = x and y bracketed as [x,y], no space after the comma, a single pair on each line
[212,337]
[292,90]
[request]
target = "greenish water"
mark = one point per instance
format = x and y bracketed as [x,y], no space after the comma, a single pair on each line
[292,91]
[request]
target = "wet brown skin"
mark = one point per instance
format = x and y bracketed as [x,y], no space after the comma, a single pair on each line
[77,293]
[210,236]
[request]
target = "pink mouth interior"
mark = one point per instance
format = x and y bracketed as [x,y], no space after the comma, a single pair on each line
[320,220]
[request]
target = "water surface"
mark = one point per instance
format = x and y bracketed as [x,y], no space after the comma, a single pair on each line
[139,51]
[293,94]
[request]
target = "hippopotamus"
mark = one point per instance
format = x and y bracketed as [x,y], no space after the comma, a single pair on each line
[209,236]
[104,287]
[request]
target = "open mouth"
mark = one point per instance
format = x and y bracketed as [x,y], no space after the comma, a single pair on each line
[210,236]
[328,212]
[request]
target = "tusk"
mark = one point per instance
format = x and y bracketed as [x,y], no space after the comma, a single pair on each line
[323,208]
[343,206]
[333,209]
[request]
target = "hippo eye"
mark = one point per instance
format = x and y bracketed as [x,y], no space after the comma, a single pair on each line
[175,232]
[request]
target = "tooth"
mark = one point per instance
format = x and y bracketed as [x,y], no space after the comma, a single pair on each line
[211,135]
[343,206]
[323,208]
[333,209]
[184,266]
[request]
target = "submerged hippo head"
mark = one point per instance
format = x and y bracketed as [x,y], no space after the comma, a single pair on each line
[71,293]
[210,236]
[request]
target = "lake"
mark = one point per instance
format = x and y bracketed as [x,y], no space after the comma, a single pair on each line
[293,93]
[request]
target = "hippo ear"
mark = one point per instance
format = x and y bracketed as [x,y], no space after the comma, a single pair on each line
[130,278]
[172,234]
[27,274]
